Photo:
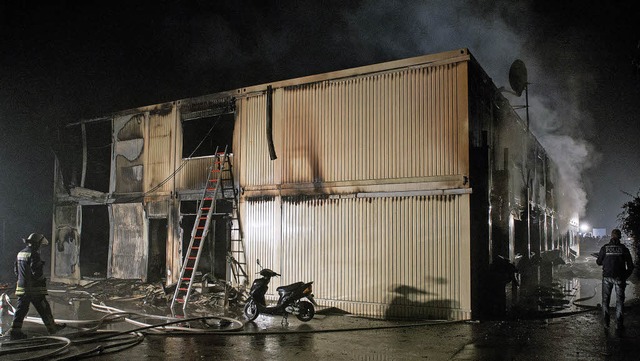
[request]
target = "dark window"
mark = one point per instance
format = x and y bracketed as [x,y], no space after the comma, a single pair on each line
[98,156]
[202,136]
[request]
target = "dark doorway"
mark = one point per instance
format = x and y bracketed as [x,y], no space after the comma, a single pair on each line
[94,242]
[521,238]
[220,248]
[213,258]
[157,249]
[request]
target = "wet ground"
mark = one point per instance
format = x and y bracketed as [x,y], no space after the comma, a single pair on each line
[574,332]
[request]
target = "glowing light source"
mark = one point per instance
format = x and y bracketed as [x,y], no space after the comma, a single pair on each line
[584,228]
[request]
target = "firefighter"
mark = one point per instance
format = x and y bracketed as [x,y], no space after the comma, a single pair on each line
[31,287]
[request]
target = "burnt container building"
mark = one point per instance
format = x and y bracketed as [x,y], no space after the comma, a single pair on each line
[392,186]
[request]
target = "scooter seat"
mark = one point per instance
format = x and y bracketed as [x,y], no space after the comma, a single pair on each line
[290,287]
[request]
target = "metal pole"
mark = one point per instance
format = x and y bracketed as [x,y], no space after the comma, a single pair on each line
[526,104]
[4,224]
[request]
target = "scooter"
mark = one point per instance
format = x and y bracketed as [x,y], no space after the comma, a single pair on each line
[296,298]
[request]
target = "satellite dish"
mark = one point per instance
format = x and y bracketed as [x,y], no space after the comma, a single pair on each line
[518,76]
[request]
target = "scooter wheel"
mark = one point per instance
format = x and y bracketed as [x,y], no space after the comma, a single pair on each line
[307,311]
[251,310]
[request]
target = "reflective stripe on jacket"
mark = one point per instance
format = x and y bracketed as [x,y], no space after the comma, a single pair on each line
[615,259]
[28,268]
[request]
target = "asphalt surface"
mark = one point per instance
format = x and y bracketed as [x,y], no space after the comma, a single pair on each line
[572,332]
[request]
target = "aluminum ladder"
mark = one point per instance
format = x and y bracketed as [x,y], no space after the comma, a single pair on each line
[200,229]
[236,255]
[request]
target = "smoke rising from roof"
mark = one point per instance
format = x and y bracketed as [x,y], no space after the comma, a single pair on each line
[71,61]
[495,34]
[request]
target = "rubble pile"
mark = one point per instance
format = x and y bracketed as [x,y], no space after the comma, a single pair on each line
[206,296]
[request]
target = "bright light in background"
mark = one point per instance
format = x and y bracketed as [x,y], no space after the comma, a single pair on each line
[584,228]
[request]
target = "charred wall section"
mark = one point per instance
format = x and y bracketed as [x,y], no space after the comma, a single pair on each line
[514,200]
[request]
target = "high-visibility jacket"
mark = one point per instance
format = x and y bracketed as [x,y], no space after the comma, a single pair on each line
[28,268]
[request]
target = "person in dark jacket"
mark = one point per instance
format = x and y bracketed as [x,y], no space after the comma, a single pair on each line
[617,266]
[31,287]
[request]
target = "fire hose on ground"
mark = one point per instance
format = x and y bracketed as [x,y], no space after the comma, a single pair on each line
[121,340]
[129,338]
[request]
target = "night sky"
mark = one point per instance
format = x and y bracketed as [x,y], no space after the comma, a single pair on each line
[61,62]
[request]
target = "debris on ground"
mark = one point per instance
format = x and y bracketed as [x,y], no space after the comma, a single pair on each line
[206,295]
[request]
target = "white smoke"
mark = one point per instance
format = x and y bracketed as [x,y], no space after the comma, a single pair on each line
[311,38]
[496,34]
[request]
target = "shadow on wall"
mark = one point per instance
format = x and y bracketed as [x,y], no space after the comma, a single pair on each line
[405,304]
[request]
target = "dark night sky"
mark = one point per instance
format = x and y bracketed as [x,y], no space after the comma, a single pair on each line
[61,62]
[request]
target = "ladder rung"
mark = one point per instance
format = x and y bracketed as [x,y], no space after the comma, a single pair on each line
[183,289]
[188,268]
[186,278]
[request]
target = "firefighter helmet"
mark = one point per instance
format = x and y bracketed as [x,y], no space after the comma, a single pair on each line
[37,239]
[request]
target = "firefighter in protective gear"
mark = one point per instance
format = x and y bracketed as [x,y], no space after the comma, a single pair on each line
[31,287]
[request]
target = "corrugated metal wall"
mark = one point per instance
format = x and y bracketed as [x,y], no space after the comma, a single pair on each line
[400,124]
[159,165]
[129,247]
[193,175]
[256,166]
[365,128]
[390,257]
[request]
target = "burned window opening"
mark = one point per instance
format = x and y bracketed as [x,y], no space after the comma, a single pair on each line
[94,242]
[201,136]
[98,138]
[132,129]
[68,150]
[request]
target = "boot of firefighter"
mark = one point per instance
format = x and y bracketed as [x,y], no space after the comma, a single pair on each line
[15,332]
[52,326]
[49,321]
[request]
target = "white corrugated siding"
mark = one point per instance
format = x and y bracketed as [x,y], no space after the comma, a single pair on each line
[193,173]
[160,152]
[390,125]
[388,256]
[256,167]
[401,124]
[391,257]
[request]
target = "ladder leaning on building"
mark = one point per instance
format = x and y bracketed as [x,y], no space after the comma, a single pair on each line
[220,185]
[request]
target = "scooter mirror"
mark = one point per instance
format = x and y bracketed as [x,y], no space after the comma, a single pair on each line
[258,262]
